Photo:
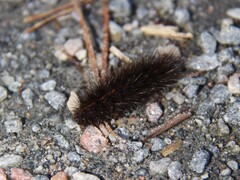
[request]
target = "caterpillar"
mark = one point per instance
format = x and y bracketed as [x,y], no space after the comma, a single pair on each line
[126,88]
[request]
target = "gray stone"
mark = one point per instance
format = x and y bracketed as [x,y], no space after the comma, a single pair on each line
[207,42]
[181,16]
[225,172]
[233,165]
[116,31]
[13,123]
[43,74]
[140,155]
[123,132]
[6,78]
[84,176]
[199,161]
[36,128]
[179,98]
[120,8]
[27,96]
[142,172]
[164,7]
[14,87]
[55,99]
[159,166]
[223,128]
[206,109]
[234,13]
[214,149]
[193,81]
[61,141]
[3,93]
[157,144]
[205,62]
[48,86]
[70,170]
[175,170]
[134,145]
[10,160]
[219,94]
[74,157]
[227,69]
[142,12]
[233,114]
[225,55]
[228,35]
[40,177]
[191,90]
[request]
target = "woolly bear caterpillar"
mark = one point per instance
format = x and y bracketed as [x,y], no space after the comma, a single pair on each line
[125,88]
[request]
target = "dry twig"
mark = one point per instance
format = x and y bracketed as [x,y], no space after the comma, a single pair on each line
[169,149]
[47,20]
[83,24]
[105,47]
[169,124]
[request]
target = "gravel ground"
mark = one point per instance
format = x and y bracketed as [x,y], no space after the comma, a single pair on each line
[36,129]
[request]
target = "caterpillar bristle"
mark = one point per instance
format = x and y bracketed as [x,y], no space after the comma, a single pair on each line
[126,88]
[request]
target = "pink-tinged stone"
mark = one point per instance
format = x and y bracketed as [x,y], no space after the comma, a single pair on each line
[154,112]
[60,176]
[93,140]
[234,83]
[73,45]
[3,176]
[20,174]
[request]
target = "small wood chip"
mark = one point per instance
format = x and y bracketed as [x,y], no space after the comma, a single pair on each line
[169,149]
[165,32]
[119,54]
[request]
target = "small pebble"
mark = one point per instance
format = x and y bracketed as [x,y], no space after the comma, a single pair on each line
[120,8]
[159,166]
[191,90]
[233,165]
[10,160]
[157,144]
[181,16]
[142,12]
[223,128]
[234,83]
[3,93]
[13,124]
[224,71]
[61,141]
[40,177]
[233,114]
[60,176]
[17,173]
[142,172]
[3,176]
[134,145]
[48,86]
[74,157]
[81,54]
[175,170]
[14,87]
[225,172]
[228,35]
[199,161]
[154,112]
[234,13]
[36,128]
[84,176]
[70,170]
[93,140]
[73,45]
[27,96]
[205,62]
[6,78]
[55,99]
[207,42]
[140,155]
[219,94]
[179,98]
[116,31]
[60,54]
[164,7]
[43,74]
[123,132]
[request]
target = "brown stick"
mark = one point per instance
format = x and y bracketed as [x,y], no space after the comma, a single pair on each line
[39,16]
[169,124]
[47,20]
[105,47]
[92,57]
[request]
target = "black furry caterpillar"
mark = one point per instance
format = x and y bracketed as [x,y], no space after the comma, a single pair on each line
[125,89]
